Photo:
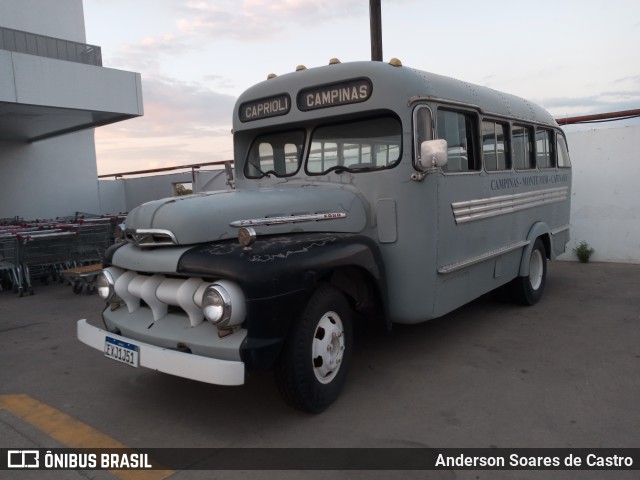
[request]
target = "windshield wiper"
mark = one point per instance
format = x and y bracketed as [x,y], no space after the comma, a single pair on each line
[262,174]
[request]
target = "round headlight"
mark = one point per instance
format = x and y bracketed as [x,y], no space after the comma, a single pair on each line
[216,304]
[105,284]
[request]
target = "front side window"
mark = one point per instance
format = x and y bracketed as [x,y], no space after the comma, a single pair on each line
[355,146]
[458,129]
[278,154]
[422,128]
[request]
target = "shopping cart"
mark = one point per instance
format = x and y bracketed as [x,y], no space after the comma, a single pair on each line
[44,254]
[82,279]
[93,238]
[10,274]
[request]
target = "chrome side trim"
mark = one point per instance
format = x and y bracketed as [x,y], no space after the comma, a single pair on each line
[480,209]
[311,217]
[558,230]
[150,237]
[452,267]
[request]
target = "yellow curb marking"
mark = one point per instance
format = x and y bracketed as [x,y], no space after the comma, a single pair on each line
[71,432]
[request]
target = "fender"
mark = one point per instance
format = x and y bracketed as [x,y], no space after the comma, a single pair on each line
[539,229]
[107,259]
[278,275]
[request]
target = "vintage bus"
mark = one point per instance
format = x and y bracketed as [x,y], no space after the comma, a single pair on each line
[363,188]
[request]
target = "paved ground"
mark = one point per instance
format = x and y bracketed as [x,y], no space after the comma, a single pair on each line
[564,373]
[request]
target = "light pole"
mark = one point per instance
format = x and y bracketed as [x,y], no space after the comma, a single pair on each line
[375,17]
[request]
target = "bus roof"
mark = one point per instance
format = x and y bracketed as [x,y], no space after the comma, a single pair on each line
[392,87]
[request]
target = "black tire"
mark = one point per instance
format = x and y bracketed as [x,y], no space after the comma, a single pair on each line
[312,384]
[528,290]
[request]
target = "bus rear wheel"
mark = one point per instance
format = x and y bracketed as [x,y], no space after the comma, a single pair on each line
[313,367]
[528,290]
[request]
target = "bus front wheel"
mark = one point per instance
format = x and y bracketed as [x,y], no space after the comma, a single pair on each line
[313,366]
[528,290]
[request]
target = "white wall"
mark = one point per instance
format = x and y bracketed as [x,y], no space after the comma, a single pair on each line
[141,190]
[49,178]
[211,180]
[57,176]
[112,197]
[54,18]
[122,195]
[605,208]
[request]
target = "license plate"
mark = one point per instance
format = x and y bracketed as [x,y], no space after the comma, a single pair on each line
[121,351]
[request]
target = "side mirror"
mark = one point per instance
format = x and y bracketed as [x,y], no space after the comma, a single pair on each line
[433,153]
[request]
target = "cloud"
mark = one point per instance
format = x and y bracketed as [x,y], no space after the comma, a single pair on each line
[605,102]
[184,123]
[178,108]
[257,20]
[146,55]
[120,153]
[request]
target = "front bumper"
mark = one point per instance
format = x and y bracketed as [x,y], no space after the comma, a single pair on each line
[173,362]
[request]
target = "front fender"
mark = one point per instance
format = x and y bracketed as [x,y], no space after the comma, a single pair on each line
[278,265]
[278,275]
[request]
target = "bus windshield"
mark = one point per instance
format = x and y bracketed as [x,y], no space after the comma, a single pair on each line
[279,154]
[368,144]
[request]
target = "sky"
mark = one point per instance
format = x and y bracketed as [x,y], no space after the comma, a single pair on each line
[196,56]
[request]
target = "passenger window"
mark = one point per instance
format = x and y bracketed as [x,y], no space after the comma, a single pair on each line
[544,152]
[521,139]
[494,152]
[458,128]
[563,152]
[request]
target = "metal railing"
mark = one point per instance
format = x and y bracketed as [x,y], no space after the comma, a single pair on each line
[50,47]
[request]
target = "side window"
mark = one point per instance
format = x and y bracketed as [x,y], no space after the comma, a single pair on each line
[494,152]
[563,152]
[544,152]
[521,139]
[459,130]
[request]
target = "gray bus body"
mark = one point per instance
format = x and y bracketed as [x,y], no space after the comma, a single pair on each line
[345,200]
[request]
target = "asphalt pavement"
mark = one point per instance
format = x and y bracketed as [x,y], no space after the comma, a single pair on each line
[563,373]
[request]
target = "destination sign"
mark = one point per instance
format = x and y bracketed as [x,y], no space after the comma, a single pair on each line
[335,94]
[265,108]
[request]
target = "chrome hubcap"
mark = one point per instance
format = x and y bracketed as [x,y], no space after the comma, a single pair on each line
[536,269]
[328,347]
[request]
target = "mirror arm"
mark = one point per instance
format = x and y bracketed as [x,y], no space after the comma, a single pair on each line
[419,176]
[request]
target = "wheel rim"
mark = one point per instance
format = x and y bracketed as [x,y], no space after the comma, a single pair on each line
[536,269]
[328,347]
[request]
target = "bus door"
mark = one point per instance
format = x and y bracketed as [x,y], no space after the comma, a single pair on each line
[458,181]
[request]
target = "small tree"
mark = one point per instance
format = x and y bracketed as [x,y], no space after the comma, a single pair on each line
[583,251]
[181,189]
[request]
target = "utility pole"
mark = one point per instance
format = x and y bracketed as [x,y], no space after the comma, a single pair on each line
[375,17]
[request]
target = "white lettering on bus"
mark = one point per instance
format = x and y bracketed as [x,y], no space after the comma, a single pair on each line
[270,107]
[337,96]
